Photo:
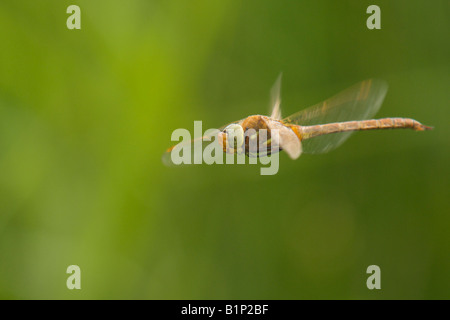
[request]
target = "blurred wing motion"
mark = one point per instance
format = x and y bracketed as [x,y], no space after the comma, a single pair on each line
[194,149]
[359,102]
[275,100]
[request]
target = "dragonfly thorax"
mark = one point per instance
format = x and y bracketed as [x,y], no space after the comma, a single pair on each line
[252,137]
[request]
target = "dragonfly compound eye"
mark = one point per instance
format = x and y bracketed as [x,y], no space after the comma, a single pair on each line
[235,136]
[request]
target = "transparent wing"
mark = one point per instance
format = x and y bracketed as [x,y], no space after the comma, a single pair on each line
[190,151]
[275,100]
[359,102]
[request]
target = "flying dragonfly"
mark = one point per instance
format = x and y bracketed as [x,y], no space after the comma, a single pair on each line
[317,129]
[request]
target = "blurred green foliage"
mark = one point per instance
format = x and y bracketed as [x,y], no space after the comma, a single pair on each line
[85,116]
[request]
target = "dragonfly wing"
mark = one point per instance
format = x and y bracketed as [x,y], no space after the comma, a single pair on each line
[285,138]
[189,151]
[359,102]
[290,143]
[275,99]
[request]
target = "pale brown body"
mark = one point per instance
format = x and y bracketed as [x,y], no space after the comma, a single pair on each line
[307,132]
[287,131]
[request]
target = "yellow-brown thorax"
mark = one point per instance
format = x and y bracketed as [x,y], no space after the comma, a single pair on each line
[256,136]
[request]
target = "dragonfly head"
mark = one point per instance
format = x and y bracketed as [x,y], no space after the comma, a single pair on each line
[232,139]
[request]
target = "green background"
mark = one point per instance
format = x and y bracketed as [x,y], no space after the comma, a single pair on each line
[85,116]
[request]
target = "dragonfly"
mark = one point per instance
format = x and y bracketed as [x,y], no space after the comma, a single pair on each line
[317,129]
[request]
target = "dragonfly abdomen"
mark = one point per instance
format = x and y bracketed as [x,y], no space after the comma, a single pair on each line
[373,124]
